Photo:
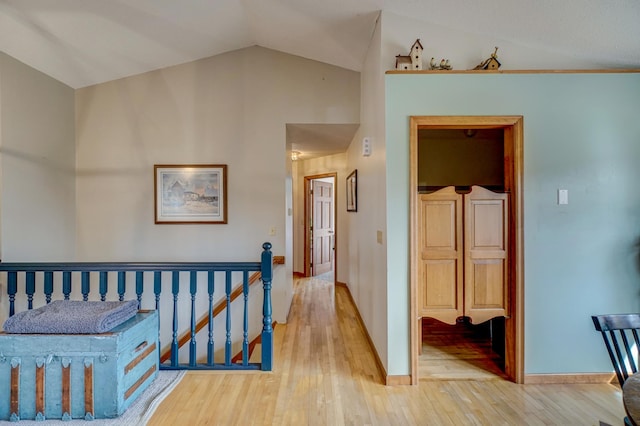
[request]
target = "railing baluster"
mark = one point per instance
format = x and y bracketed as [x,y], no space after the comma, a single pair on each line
[210,341]
[122,284]
[104,286]
[30,288]
[86,285]
[157,289]
[193,287]
[267,329]
[66,284]
[245,326]
[12,289]
[139,287]
[48,286]
[227,345]
[175,288]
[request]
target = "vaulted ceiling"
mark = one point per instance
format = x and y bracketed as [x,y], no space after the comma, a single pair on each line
[85,42]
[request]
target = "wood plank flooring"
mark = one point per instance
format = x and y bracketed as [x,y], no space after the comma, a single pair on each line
[457,352]
[325,374]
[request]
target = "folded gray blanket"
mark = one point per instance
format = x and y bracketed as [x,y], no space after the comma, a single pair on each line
[72,317]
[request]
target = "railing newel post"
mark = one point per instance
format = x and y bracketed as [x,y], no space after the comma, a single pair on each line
[266,269]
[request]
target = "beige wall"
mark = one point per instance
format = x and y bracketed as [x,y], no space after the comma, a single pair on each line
[367,258]
[37,161]
[316,166]
[229,109]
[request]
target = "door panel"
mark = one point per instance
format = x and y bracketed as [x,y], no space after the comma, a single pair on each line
[440,270]
[323,228]
[486,262]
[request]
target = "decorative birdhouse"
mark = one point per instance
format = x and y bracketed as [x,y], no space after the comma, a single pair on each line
[412,61]
[490,63]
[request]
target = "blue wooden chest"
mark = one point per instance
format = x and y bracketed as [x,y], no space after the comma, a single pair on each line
[88,376]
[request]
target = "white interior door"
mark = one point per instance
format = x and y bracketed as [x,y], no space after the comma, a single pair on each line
[323,227]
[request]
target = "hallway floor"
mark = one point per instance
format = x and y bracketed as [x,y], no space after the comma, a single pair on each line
[325,374]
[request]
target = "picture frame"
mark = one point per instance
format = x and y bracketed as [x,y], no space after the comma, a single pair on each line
[352,191]
[190,194]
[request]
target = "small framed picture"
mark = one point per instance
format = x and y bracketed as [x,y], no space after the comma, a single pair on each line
[352,191]
[194,193]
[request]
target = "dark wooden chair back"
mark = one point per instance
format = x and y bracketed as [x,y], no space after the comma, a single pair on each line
[620,334]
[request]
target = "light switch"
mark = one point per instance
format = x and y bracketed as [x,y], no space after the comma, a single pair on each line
[379,237]
[563,196]
[366,146]
[272,231]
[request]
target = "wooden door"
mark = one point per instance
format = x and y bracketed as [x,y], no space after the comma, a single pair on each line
[440,271]
[323,228]
[485,252]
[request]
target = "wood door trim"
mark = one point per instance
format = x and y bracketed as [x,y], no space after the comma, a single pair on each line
[307,248]
[513,176]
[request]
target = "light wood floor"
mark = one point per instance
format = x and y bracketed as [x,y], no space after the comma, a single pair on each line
[457,352]
[325,374]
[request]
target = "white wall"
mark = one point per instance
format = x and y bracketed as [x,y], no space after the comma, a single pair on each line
[228,109]
[37,161]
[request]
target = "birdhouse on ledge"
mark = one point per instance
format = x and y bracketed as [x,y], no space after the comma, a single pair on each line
[490,63]
[413,61]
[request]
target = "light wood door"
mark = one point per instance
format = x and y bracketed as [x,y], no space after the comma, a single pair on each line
[441,255]
[486,248]
[463,267]
[323,228]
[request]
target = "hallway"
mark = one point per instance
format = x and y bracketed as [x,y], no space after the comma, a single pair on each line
[325,374]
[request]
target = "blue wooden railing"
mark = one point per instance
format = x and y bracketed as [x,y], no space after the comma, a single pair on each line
[40,279]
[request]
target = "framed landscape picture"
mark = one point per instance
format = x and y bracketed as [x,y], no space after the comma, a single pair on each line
[352,191]
[190,193]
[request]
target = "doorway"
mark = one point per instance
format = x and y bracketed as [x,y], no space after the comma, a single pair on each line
[510,181]
[320,226]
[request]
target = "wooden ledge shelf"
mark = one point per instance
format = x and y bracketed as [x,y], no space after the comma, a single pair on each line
[586,71]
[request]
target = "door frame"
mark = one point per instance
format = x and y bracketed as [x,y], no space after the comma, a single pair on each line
[513,177]
[307,217]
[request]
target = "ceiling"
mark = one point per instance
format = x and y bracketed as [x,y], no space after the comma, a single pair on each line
[319,140]
[85,42]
